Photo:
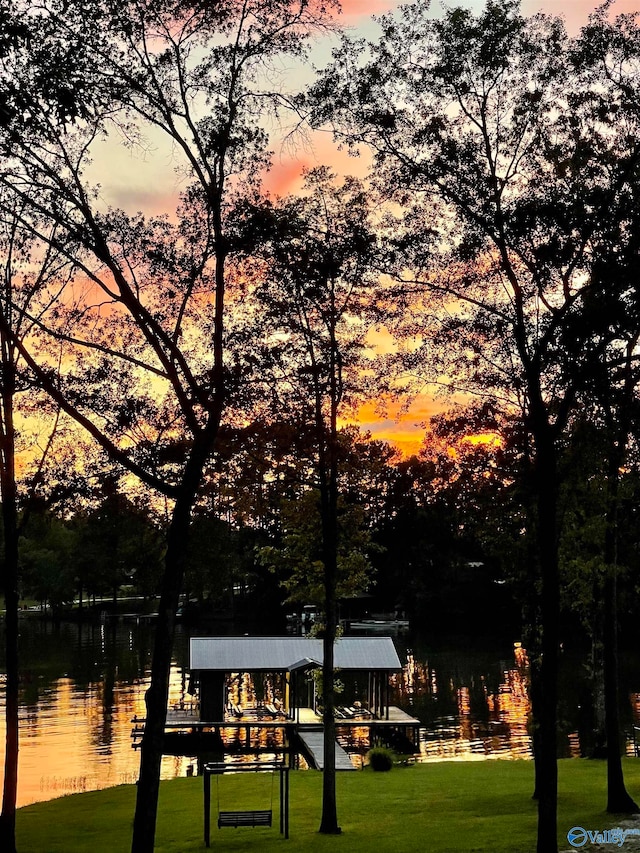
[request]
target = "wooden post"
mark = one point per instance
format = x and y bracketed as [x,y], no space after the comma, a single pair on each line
[281,775]
[286,803]
[206,775]
[386,690]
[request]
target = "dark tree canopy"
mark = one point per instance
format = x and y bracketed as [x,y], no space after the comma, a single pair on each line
[511,150]
[216,351]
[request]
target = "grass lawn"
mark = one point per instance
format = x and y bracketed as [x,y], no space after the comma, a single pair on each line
[430,808]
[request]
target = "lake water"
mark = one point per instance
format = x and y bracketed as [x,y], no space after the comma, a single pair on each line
[83,684]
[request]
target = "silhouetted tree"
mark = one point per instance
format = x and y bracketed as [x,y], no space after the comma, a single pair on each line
[27,268]
[507,158]
[314,298]
[143,333]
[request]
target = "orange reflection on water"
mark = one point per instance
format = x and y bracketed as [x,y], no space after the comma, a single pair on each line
[511,706]
[75,738]
[470,720]
[633,742]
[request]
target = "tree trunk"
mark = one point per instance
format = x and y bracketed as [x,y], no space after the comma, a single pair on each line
[329,819]
[546,721]
[329,509]
[328,471]
[10,583]
[10,788]
[618,799]
[536,711]
[157,696]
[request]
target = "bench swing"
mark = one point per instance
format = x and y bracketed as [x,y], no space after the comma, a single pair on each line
[251,817]
[254,817]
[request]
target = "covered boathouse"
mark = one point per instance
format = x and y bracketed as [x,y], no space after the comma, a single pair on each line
[280,665]
[249,685]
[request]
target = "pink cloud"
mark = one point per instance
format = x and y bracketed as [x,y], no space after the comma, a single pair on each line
[285,176]
[286,173]
[575,12]
[366,8]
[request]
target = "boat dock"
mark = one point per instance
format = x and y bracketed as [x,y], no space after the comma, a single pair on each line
[185,734]
[255,694]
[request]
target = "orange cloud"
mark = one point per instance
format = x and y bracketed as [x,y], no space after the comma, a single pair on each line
[404,429]
[381,341]
[285,176]
[366,8]
[485,438]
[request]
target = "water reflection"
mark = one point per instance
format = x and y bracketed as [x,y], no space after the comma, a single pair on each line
[81,686]
[469,706]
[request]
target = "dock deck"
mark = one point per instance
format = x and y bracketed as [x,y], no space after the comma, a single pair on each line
[398,729]
[188,716]
[397,717]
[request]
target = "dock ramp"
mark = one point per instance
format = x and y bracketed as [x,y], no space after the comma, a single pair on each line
[312,741]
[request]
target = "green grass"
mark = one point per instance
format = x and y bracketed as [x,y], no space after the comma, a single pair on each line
[430,808]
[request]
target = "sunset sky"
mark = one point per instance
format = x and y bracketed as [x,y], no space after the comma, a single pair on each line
[148,183]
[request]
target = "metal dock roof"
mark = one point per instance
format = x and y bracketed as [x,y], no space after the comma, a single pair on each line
[279,654]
